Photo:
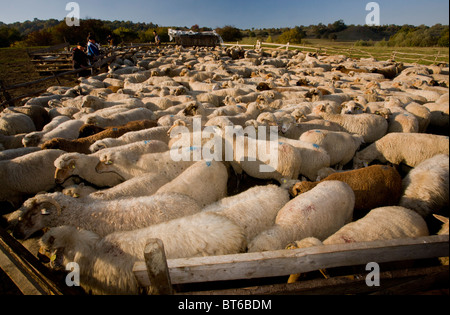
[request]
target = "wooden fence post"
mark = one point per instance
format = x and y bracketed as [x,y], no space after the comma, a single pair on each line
[3,90]
[156,263]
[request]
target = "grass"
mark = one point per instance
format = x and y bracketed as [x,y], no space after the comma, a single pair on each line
[348,48]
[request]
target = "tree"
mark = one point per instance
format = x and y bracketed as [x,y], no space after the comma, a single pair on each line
[337,26]
[125,34]
[293,36]
[8,36]
[229,33]
[444,39]
[40,38]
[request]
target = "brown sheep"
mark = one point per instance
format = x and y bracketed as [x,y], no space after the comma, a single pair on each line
[89,130]
[374,186]
[81,145]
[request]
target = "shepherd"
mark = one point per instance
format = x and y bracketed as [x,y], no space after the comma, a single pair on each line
[157,39]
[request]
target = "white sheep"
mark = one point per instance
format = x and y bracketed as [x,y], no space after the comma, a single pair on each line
[120,118]
[11,142]
[128,164]
[27,174]
[204,181]
[264,159]
[400,120]
[15,123]
[439,114]
[319,213]
[313,157]
[83,166]
[78,190]
[384,223]
[155,133]
[407,148]
[10,154]
[94,167]
[254,210]
[67,129]
[426,186]
[144,185]
[295,130]
[43,100]
[422,114]
[341,146]
[100,216]
[371,127]
[106,265]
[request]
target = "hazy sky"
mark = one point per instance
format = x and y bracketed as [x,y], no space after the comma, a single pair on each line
[239,13]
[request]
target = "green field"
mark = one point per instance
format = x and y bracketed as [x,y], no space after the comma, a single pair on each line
[421,55]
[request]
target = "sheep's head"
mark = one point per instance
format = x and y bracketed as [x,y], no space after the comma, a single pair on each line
[54,143]
[34,215]
[107,161]
[93,120]
[383,112]
[65,167]
[359,163]
[302,187]
[263,86]
[286,123]
[32,139]
[64,244]
[267,119]
[351,108]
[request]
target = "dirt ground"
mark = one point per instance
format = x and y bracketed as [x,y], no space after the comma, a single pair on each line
[16,67]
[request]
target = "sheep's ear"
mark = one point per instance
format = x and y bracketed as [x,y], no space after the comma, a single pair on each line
[441,218]
[51,240]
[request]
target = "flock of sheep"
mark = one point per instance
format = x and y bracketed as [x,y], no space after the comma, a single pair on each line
[362,154]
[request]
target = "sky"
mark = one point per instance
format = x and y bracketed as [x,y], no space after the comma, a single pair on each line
[243,14]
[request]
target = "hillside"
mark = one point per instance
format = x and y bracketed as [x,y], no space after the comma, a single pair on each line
[358,32]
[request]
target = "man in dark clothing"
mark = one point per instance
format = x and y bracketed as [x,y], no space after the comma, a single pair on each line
[93,51]
[80,60]
[157,39]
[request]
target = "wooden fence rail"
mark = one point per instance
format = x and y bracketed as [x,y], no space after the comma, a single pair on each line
[285,262]
[348,51]
[106,58]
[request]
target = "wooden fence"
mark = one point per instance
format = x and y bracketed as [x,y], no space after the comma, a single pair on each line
[353,52]
[161,274]
[53,59]
[107,57]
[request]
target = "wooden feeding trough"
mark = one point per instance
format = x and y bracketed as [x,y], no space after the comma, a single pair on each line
[199,39]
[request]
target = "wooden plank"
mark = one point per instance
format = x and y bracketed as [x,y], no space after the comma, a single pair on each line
[156,264]
[422,278]
[51,60]
[27,265]
[285,262]
[53,65]
[25,284]
[48,49]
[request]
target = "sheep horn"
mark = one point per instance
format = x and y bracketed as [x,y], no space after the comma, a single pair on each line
[43,199]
